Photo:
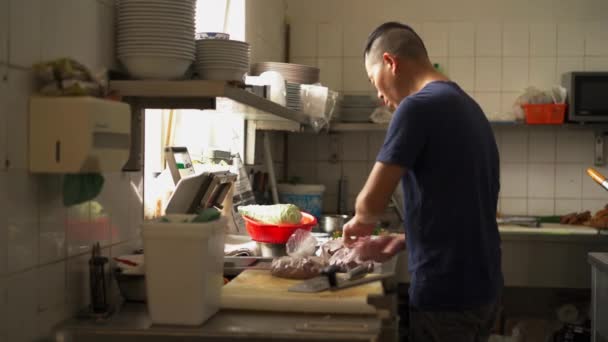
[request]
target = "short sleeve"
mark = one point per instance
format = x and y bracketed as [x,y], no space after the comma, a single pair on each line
[406,136]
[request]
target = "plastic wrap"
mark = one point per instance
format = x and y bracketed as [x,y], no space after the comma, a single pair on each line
[300,262]
[301,244]
[319,103]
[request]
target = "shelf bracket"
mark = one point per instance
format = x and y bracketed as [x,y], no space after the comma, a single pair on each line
[599,149]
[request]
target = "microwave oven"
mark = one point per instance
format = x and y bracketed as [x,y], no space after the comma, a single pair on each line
[587,95]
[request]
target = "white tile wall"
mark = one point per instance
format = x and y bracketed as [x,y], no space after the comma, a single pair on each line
[541,145]
[488,74]
[4,30]
[575,146]
[543,40]
[354,147]
[39,238]
[514,145]
[513,180]
[436,36]
[53,215]
[329,174]
[515,74]
[568,181]
[20,83]
[566,206]
[462,71]
[329,43]
[332,72]
[570,39]
[596,38]
[541,206]
[22,306]
[515,39]
[494,53]
[461,39]
[514,206]
[488,39]
[489,102]
[541,180]
[3,309]
[542,72]
[25,33]
[22,217]
[354,76]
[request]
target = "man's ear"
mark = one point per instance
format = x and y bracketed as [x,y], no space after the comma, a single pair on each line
[390,61]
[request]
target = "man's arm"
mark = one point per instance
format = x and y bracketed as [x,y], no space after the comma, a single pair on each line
[377,191]
[372,200]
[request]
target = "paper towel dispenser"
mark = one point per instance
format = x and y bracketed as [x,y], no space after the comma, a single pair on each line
[78,134]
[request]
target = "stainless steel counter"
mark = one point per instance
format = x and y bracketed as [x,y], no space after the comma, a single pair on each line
[132,323]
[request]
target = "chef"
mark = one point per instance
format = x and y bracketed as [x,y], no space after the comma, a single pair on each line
[442,148]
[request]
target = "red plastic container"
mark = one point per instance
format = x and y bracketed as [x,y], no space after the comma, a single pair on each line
[544,114]
[271,233]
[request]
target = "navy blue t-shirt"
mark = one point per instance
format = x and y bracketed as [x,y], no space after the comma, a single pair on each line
[443,139]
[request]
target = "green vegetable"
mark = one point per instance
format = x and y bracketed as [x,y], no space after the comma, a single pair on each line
[273,214]
[207,215]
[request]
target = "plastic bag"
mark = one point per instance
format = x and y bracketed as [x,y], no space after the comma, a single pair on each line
[67,77]
[301,244]
[300,262]
[319,103]
[381,115]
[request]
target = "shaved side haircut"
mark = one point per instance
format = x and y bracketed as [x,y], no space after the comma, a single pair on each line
[397,39]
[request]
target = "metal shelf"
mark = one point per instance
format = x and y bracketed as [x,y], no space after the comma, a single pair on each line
[201,94]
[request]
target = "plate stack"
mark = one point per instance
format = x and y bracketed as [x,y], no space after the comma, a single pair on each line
[357,108]
[222,59]
[294,73]
[294,100]
[155,38]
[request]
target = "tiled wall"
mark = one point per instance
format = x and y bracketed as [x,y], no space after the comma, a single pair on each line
[44,247]
[493,49]
[265,29]
[542,169]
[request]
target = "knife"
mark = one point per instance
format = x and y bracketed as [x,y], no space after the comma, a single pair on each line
[329,280]
[598,178]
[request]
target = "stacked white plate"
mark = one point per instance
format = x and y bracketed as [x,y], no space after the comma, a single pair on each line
[294,99]
[294,73]
[222,59]
[155,38]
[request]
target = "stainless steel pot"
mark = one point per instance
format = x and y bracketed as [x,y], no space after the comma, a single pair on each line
[332,223]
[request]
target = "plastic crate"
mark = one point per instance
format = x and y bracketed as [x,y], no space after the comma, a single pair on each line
[545,114]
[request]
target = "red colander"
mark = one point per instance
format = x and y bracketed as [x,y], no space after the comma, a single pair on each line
[273,233]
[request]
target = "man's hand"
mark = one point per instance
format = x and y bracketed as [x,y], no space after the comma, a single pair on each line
[379,249]
[355,229]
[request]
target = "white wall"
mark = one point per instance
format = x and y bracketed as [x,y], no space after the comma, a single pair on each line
[265,29]
[44,247]
[493,49]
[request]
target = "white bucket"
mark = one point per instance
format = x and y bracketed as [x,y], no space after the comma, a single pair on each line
[184,265]
[308,197]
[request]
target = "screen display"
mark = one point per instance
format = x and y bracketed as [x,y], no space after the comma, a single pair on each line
[183,163]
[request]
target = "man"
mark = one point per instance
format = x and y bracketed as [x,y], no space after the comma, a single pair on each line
[441,146]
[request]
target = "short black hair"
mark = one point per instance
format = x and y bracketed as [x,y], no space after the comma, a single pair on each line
[393,26]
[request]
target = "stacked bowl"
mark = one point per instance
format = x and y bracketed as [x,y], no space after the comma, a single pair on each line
[155,38]
[221,59]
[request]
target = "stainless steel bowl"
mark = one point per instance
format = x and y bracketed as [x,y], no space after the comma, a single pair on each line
[332,223]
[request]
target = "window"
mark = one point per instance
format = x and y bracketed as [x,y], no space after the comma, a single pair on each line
[195,129]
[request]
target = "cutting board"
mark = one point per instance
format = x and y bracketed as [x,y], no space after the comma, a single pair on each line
[259,290]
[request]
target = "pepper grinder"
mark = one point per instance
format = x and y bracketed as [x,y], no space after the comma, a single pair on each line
[98,281]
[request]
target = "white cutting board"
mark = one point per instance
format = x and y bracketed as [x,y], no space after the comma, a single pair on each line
[259,290]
